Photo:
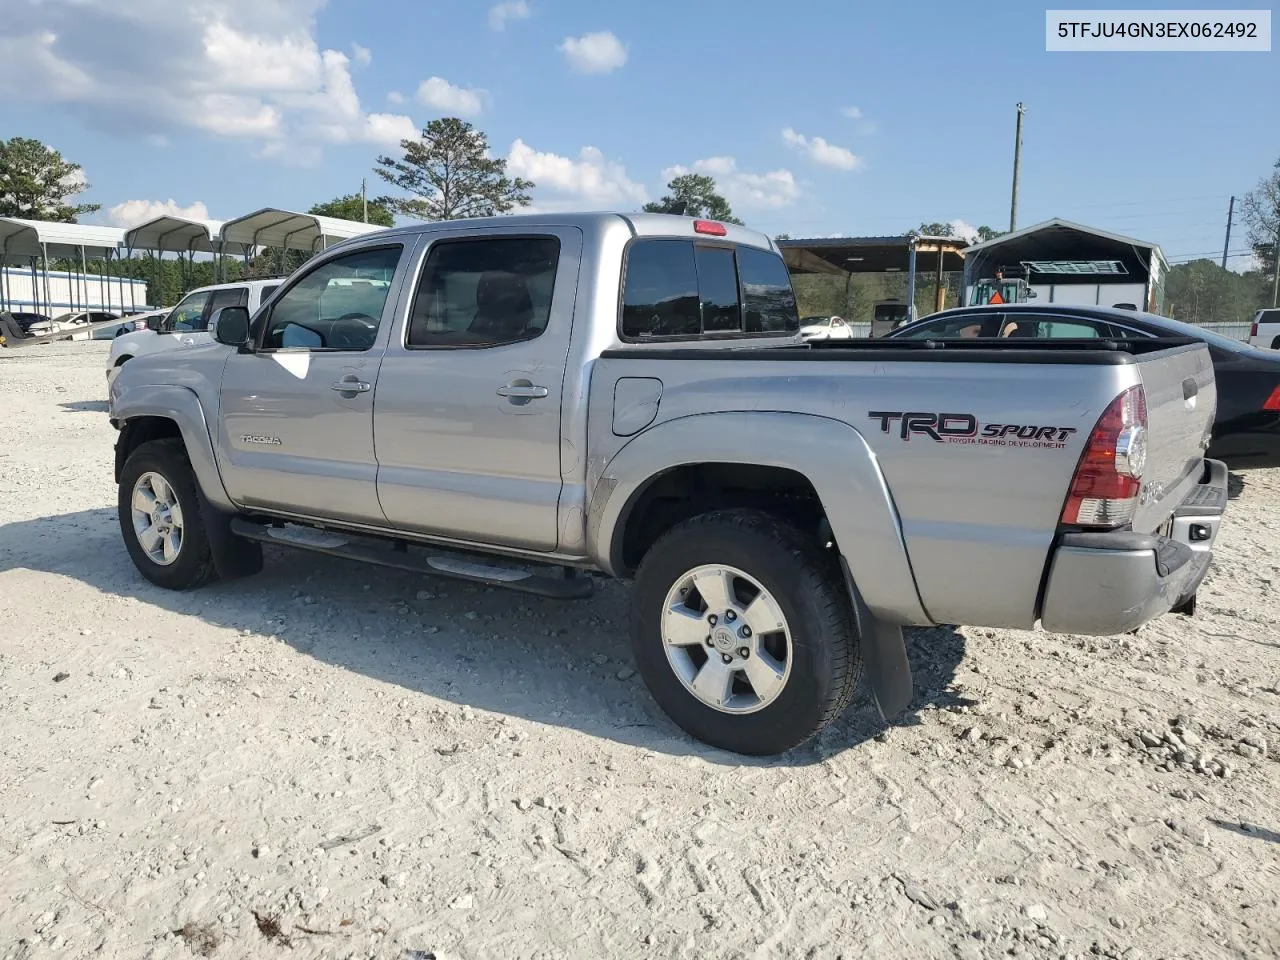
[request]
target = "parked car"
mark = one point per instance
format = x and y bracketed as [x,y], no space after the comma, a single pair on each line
[1246,429]
[129,323]
[70,322]
[25,320]
[520,400]
[1265,331]
[187,324]
[825,328]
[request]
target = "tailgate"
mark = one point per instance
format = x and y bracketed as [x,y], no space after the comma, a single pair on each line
[1181,400]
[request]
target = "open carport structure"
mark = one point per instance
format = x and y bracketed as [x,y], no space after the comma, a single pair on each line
[182,236]
[1065,262]
[24,242]
[847,256]
[272,227]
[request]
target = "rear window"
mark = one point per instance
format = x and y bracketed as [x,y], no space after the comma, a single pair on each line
[682,289]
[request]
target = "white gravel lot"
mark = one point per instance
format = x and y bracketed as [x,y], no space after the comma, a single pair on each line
[329,760]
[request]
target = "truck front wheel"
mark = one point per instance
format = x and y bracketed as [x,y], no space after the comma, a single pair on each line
[160,517]
[744,633]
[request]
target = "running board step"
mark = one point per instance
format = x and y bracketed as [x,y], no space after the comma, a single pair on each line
[428,560]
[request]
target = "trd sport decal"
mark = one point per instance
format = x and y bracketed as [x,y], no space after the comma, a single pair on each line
[964,428]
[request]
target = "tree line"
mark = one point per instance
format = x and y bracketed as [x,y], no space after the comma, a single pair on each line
[448,173]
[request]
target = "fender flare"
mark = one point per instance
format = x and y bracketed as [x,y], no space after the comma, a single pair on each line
[831,454]
[182,406]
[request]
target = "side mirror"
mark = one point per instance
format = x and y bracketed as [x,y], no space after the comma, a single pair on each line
[153,323]
[230,325]
[1032,295]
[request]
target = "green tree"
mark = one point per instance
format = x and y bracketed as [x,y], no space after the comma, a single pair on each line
[948,230]
[351,207]
[449,175]
[1202,292]
[936,230]
[1262,217]
[36,182]
[694,195]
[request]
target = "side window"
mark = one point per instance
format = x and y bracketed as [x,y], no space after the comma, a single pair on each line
[768,302]
[187,315]
[337,306]
[484,293]
[236,297]
[965,327]
[1069,329]
[660,297]
[267,291]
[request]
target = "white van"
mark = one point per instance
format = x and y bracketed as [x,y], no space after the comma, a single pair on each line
[187,324]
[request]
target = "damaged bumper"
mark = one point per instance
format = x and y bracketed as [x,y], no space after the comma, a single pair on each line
[1102,584]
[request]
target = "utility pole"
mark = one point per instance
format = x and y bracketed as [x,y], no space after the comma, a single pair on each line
[364,197]
[1017,170]
[1227,243]
[1275,280]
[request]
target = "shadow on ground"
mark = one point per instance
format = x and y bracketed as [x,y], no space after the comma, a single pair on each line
[1249,830]
[565,663]
[1236,483]
[85,406]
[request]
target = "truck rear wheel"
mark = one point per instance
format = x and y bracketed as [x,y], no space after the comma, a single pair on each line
[160,517]
[743,632]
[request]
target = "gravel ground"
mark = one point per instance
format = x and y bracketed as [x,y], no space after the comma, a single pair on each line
[330,760]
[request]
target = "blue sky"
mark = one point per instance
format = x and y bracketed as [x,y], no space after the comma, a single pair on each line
[816,117]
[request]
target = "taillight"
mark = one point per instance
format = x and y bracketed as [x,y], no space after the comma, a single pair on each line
[1273,401]
[1253,330]
[709,227]
[1108,479]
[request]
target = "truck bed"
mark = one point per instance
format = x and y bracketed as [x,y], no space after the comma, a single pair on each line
[978,515]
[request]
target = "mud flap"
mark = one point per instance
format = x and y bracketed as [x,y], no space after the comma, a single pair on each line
[233,557]
[884,656]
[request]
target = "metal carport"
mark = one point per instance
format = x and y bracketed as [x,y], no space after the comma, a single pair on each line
[272,227]
[846,256]
[25,241]
[1068,262]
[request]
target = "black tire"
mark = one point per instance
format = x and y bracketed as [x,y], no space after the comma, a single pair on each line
[194,564]
[807,585]
[1275,344]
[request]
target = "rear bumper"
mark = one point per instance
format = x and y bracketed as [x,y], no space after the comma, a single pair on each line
[1102,584]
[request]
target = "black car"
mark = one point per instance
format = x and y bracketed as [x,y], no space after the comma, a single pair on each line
[25,320]
[1246,431]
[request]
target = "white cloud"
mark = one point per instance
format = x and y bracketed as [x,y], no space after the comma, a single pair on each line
[440,94]
[133,212]
[771,190]
[502,13]
[598,52]
[964,229]
[592,181]
[820,151]
[389,129]
[361,55]
[396,97]
[853,113]
[241,69]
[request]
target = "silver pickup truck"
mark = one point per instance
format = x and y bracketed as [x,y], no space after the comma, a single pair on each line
[531,401]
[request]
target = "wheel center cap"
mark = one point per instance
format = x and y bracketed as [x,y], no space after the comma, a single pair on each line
[724,639]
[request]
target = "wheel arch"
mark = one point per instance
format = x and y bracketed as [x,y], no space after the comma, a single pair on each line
[822,468]
[152,412]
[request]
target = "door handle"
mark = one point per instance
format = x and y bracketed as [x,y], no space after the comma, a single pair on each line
[351,386]
[523,391]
